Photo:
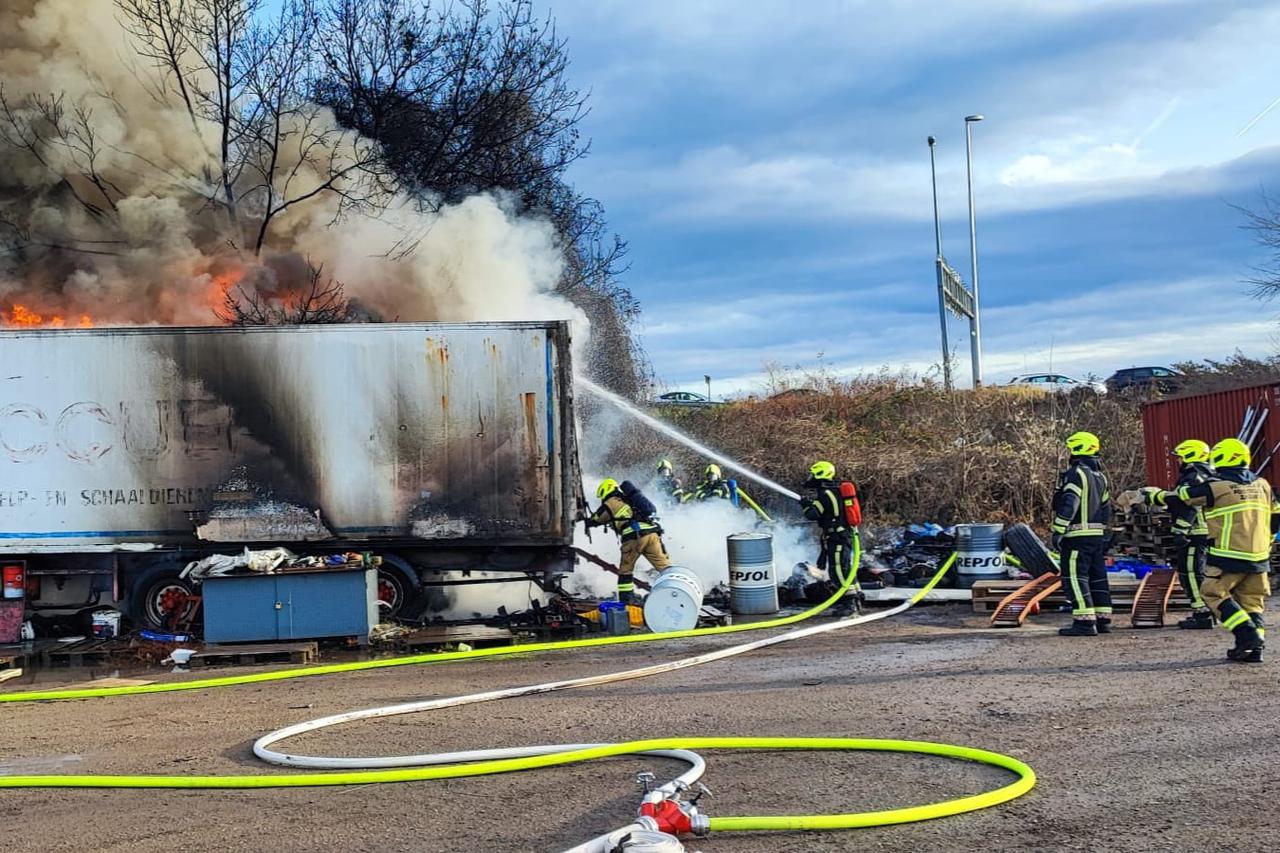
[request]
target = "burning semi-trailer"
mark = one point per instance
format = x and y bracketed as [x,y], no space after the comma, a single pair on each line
[127,453]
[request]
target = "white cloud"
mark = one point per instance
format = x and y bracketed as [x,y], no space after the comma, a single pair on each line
[1143,111]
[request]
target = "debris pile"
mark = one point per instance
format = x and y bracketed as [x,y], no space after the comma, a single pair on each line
[906,556]
[272,561]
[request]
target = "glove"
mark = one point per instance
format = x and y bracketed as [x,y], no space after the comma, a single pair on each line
[1151,496]
[1180,541]
[1055,542]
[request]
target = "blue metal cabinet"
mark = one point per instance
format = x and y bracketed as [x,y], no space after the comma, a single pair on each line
[290,606]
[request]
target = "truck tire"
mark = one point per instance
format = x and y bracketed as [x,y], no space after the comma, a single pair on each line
[1023,543]
[153,596]
[397,587]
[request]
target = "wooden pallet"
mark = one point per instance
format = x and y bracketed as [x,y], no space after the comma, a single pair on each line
[82,652]
[259,653]
[1015,607]
[1152,598]
[476,636]
[12,660]
[986,596]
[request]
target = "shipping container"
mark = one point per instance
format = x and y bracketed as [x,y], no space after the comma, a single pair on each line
[1211,418]
[440,445]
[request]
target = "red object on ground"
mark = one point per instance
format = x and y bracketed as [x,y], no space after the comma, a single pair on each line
[670,817]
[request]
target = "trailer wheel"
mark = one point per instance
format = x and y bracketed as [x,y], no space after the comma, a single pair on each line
[157,596]
[1024,544]
[395,588]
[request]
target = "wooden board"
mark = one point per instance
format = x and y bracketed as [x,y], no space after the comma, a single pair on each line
[473,635]
[7,674]
[253,654]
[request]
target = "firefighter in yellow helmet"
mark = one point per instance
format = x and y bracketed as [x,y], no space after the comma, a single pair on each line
[1190,529]
[669,485]
[714,485]
[637,529]
[838,526]
[1241,514]
[1082,516]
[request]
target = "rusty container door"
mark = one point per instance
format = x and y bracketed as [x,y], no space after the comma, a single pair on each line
[1211,418]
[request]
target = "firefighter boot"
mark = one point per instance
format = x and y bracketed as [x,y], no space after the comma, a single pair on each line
[1197,621]
[1104,624]
[1079,628]
[1248,647]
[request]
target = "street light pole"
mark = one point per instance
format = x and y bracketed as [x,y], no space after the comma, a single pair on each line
[975,326]
[937,262]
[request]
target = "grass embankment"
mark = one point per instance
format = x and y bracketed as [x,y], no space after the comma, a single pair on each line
[916,451]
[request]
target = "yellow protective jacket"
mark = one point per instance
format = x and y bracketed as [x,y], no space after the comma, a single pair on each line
[616,513]
[1238,508]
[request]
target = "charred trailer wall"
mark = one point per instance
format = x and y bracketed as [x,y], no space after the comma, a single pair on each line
[433,433]
[1211,418]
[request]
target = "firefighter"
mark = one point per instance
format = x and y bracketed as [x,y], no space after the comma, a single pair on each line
[1082,515]
[669,485]
[1241,514]
[714,485]
[639,532]
[1190,529]
[827,508]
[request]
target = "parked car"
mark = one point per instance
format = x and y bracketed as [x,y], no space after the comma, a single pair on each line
[683,398]
[1164,379]
[1056,383]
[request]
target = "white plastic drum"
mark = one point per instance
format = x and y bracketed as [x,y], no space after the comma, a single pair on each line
[674,601]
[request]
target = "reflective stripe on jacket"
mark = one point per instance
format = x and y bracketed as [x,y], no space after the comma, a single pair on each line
[1237,508]
[617,513]
[1082,503]
[827,509]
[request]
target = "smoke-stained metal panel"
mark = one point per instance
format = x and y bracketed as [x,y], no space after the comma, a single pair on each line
[426,431]
[1209,417]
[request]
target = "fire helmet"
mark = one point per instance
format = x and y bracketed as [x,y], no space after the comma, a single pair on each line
[607,487]
[1192,450]
[1083,444]
[822,470]
[1230,453]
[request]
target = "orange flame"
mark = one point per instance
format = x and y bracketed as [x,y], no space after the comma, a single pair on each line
[23,317]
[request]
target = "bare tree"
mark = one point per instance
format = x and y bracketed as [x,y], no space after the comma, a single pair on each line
[1264,224]
[244,85]
[317,300]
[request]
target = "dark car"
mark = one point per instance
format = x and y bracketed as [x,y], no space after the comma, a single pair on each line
[1163,379]
[683,398]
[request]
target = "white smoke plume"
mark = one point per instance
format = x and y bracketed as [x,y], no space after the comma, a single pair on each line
[111,200]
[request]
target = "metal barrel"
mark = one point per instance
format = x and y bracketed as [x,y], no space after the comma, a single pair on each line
[979,553]
[674,601]
[753,587]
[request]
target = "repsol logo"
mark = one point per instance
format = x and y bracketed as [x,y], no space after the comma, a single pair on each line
[757,575]
[87,431]
[975,562]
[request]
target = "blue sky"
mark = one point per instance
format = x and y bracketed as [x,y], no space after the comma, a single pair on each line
[767,162]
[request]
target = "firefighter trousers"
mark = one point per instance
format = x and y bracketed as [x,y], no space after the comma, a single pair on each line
[647,545]
[1235,596]
[836,558]
[1083,562]
[1190,562]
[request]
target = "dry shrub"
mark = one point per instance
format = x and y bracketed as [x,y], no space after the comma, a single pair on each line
[916,451]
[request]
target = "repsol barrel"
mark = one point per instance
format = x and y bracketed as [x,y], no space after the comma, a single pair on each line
[753,588]
[979,553]
[674,601]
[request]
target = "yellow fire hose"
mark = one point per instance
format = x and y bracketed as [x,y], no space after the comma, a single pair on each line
[569,755]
